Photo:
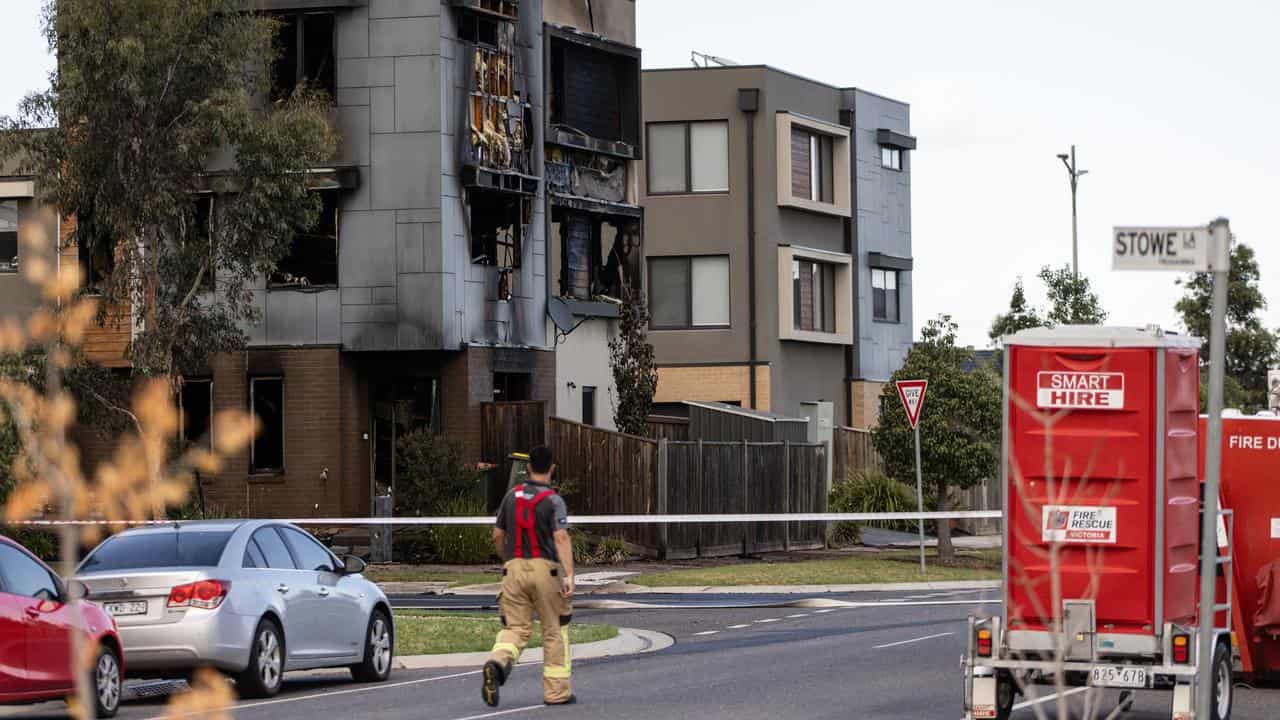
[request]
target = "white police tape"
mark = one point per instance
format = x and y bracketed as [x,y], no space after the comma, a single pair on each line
[585,519]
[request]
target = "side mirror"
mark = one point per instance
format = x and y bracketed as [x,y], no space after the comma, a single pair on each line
[352,565]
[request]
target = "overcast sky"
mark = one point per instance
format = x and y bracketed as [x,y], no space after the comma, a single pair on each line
[1172,105]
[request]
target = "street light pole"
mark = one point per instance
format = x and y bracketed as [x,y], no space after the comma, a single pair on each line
[1074,175]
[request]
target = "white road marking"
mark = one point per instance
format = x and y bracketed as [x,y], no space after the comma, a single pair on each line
[912,640]
[767,620]
[706,632]
[325,695]
[798,615]
[824,612]
[1047,698]
[504,712]
[738,627]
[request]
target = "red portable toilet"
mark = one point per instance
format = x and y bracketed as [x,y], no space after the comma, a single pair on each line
[1250,488]
[1100,487]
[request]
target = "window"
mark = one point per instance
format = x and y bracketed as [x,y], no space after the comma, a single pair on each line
[273,549]
[884,295]
[167,547]
[313,254]
[497,226]
[811,165]
[310,554]
[201,232]
[253,557]
[813,288]
[891,157]
[588,405]
[687,292]
[304,42]
[688,157]
[8,236]
[22,575]
[95,251]
[594,93]
[195,401]
[266,397]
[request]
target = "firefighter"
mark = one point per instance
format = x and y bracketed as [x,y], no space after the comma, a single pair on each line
[532,535]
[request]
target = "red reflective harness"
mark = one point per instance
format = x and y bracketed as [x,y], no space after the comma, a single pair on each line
[526,519]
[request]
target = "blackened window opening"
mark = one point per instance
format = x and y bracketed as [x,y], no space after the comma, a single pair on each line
[304,45]
[594,92]
[512,387]
[266,395]
[497,227]
[478,28]
[95,252]
[313,254]
[196,405]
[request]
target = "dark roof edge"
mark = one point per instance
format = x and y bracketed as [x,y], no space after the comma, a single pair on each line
[780,71]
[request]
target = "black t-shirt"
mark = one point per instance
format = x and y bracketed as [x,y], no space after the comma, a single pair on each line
[550,515]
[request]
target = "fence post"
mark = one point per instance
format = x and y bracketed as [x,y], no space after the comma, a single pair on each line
[786,493]
[662,496]
[702,492]
[747,545]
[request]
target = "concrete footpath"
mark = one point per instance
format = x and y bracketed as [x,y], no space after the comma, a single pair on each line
[629,641]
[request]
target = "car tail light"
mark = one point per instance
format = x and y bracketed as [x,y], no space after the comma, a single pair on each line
[1182,648]
[984,642]
[204,594]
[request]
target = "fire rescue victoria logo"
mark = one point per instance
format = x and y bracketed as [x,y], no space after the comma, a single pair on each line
[1058,389]
[1079,524]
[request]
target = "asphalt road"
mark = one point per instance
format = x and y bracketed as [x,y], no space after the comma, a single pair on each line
[739,664]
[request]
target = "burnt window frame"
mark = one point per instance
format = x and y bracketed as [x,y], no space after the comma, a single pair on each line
[688,261]
[297,20]
[275,280]
[183,438]
[630,145]
[254,467]
[688,158]
[485,250]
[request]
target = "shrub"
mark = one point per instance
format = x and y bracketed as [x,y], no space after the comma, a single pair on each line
[462,544]
[430,475]
[871,491]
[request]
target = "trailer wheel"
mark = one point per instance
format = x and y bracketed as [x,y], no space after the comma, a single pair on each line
[1006,691]
[1223,692]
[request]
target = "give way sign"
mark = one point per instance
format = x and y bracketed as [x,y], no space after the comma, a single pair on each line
[911,392]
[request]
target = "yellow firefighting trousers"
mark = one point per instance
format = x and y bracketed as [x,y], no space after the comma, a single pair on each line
[529,587]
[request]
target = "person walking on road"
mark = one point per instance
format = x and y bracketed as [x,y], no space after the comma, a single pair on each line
[532,535]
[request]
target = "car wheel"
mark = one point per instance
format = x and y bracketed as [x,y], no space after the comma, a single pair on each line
[105,681]
[379,649]
[1221,699]
[264,675]
[1006,690]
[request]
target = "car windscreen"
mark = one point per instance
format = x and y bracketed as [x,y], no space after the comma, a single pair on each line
[174,548]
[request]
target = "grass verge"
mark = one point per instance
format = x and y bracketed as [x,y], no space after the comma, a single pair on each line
[395,574]
[426,632]
[854,569]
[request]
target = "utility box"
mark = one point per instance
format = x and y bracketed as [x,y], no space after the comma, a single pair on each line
[821,428]
[1100,438]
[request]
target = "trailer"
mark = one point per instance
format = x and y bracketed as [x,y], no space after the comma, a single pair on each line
[1250,458]
[1101,501]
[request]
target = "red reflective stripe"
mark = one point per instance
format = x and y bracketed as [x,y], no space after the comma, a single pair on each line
[526,520]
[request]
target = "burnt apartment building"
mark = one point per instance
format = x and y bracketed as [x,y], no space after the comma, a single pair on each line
[481,226]
[778,239]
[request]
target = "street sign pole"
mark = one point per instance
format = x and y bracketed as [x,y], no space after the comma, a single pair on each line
[920,498]
[911,393]
[1220,258]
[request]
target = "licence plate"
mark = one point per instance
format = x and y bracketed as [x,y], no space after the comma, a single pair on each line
[119,609]
[1118,676]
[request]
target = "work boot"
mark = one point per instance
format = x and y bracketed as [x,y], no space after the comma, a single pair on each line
[495,675]
[571,700]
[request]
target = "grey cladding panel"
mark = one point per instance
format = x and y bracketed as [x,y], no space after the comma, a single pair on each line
[404,36]
[368,249]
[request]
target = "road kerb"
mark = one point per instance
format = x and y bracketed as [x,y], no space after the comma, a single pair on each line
[629,641]
[481,590]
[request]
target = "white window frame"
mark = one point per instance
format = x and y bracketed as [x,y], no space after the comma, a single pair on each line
[891,157]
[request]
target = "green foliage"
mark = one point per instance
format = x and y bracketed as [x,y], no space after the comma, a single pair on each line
[1021,316]
[1251,347]
[872,491]
[591,550]
[462,544]
[635,376]
[1072,300]
[146,96]
[959,426]
[430,474]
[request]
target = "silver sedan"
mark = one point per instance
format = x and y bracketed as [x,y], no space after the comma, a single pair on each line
[253,599]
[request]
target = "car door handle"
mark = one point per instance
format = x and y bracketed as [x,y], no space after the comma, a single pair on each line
[324,592]
[32,613]
[282,588]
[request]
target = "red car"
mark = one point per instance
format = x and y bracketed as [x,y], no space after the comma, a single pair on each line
[35,636]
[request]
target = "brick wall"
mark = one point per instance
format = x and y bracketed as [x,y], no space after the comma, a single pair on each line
[713,383]
[313,435]
[467,381]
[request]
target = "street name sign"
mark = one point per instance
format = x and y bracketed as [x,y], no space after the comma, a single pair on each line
[911,392]
[1179,249]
